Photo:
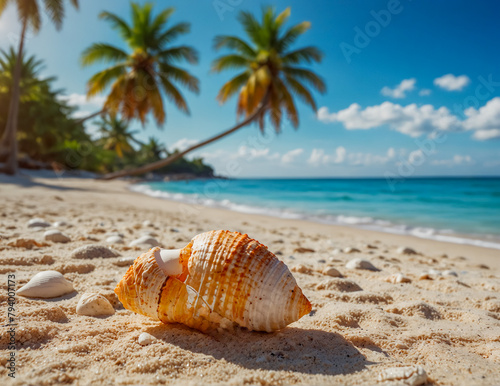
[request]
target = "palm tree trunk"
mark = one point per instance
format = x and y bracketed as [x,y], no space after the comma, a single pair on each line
[164,162]
[9,139]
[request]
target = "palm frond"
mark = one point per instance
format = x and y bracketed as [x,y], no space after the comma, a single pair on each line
[172,33]
[306,75]
[252,28]
[301,91]
[102,52]
[234,43]
[291,35]
[179,53]
[174,95]
[230,62]
[306,54]
[98,82]
[3,5]
[181,76]
[118,24]
[55,11]
[161,19]
[232,86]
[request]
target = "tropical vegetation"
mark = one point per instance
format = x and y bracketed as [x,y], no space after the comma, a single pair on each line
[271,75]
[30,15]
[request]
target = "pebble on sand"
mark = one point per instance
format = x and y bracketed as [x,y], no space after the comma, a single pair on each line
[409,375]
[330,271]
[449,273]
[397,278]
[56,236]
[92,304]
[93,251]
[38,223]
[361,264]
[145,339]
[145,240]
[406,251]
[114,240]
[351,250]
[147,223]
[58,224]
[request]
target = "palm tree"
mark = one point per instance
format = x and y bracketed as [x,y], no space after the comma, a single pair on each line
[140,75]
[271,73]
[115,135]
[153,150]
[29,13]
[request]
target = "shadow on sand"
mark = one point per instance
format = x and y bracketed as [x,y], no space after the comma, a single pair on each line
[291,349]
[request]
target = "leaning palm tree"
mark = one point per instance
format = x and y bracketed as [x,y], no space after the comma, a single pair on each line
[140,75]
[29,13]
[271,73]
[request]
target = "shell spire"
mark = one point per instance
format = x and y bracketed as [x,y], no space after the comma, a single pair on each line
[219,278]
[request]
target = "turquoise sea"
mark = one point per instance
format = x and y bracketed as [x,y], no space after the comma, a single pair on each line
[461,210]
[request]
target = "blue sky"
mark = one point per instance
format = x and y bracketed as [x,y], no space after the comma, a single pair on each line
[416,92]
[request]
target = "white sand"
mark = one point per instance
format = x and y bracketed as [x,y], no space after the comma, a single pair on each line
[448,325]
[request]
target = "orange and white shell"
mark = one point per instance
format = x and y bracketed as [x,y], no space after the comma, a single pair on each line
[219,278]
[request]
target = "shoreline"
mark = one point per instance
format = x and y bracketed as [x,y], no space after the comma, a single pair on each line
[417,232]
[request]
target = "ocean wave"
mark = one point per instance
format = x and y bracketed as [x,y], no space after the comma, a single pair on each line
[364,222]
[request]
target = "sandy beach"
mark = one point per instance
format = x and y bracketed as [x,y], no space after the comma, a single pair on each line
[443,317]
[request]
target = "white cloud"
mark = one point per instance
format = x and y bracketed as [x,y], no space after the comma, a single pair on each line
[182,144]
[425,92]
[320,157]
[450,82]
[411,119]
[400,90]
[485,120]
[455,161]
[290,156]
[81,100]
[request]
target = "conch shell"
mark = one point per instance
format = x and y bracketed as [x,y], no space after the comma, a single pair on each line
[218,279]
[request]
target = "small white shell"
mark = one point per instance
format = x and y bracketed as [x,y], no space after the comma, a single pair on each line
[145,339]
[91,304]
[114,240]
[410,375]
[38,222]
[46,284]
[145,240]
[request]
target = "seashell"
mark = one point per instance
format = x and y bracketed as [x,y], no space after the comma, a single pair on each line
[409,375]
[56,236]
[397,278]
[38,223]
[145,339]
[145,240]
[218,279]
[94,305]
[46,284]
[114,240]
